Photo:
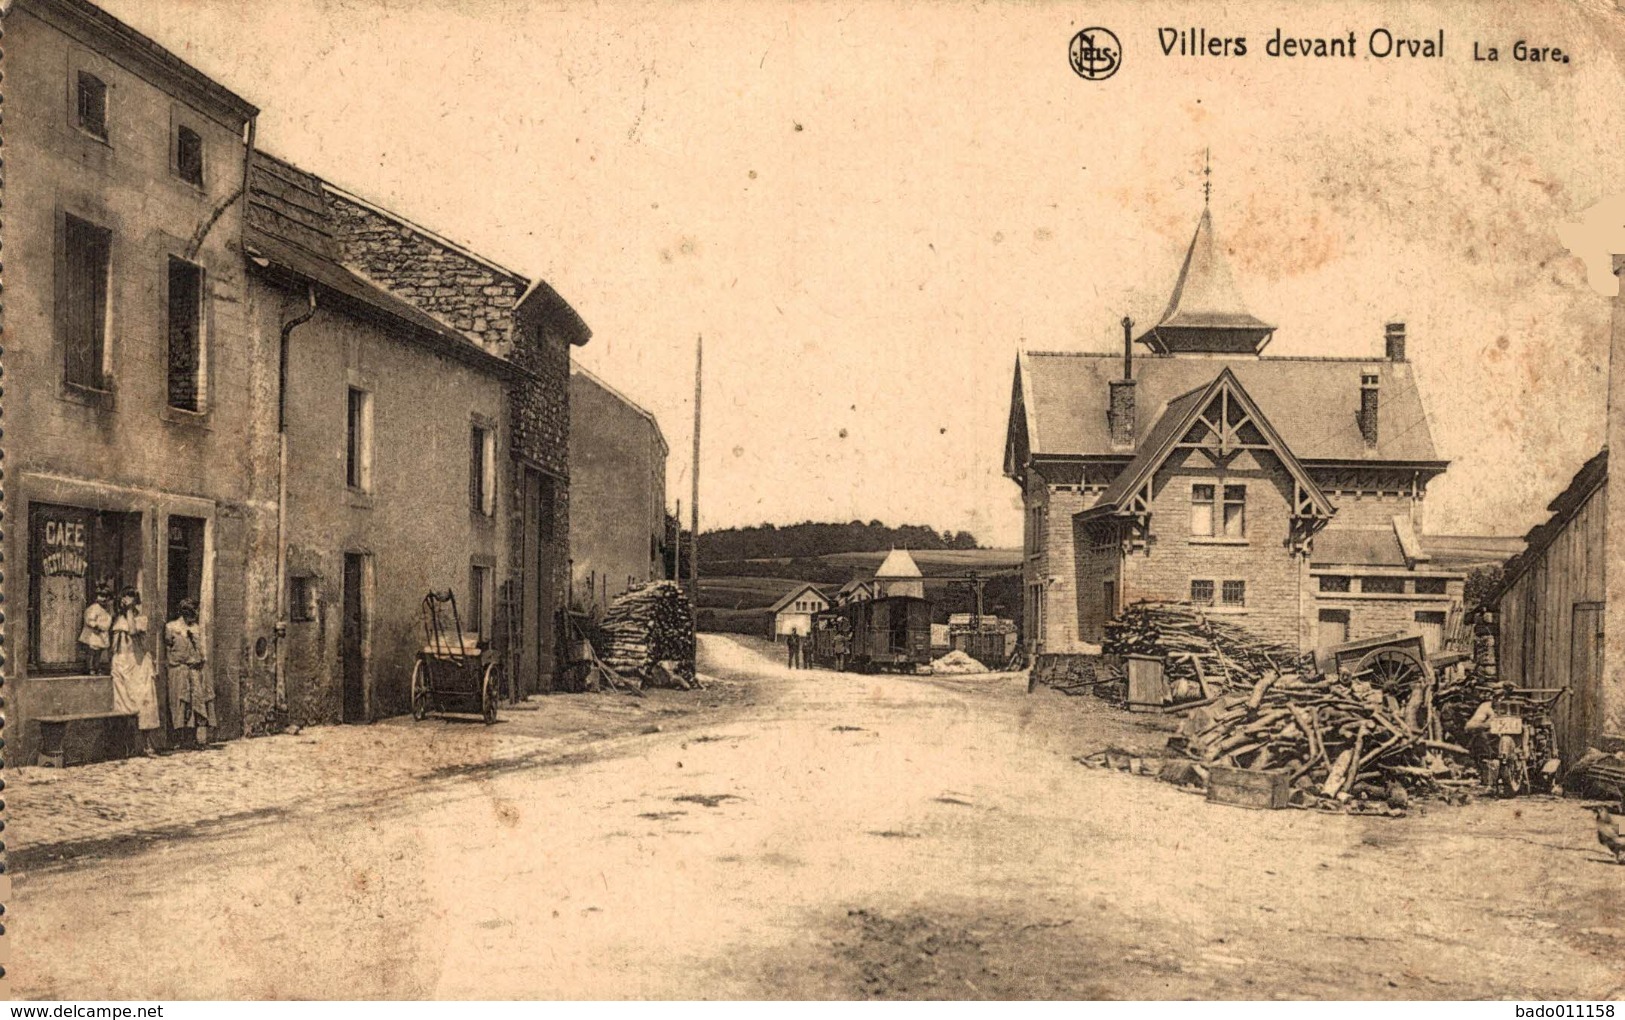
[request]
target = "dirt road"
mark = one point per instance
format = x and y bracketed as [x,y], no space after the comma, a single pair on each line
[828,836]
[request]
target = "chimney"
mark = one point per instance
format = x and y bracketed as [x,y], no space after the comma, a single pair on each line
[1120,412]
[1394,341]
[1369,399]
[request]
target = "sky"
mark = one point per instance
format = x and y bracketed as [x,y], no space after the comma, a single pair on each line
[868,208]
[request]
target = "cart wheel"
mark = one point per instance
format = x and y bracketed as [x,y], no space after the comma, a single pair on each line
[489,692]
[420,691]
[1392,669]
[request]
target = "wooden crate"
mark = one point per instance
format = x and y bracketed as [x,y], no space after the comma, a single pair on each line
[1265,789]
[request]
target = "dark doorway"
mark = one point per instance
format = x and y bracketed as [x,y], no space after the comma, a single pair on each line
[353,647]
[185,563]
[1585,680]
[1333,629]
[530,596]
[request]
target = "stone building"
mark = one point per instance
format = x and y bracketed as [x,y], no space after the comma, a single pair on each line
[393,424]
[132,396]
[528,327]
[1287,492]
[618,480]
[229,381]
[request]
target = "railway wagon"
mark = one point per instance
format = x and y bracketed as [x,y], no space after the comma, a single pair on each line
[891,633]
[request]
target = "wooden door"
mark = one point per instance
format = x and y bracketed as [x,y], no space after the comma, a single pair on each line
[353,653]
[1582,715]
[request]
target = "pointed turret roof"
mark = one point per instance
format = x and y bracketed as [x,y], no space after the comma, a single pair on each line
[1206,313]
[898,564]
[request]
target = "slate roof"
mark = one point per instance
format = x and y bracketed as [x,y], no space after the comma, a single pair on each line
[1568,503]
[898,564]
[1176,421]
[1312,402]
[796,593]
[1206,311]
[291,231]
[1334,547]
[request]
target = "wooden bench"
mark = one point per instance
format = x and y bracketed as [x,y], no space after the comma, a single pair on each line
[53,734]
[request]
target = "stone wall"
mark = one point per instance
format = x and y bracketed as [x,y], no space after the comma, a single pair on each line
[470,295]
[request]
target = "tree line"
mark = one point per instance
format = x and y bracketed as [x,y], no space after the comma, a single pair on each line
[811,538]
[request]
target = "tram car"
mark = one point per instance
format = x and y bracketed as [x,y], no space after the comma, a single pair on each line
[866,636]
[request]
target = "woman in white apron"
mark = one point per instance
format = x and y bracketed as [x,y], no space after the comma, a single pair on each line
[135,689]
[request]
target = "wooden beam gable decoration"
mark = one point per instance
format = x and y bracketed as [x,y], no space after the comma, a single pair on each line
[1222,421]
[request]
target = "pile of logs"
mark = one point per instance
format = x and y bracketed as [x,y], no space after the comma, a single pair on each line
[1337,738]
[648,636]
[1201,652]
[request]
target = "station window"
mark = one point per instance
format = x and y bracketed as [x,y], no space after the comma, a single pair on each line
[1383,585]
[1334,583]
[1430,586]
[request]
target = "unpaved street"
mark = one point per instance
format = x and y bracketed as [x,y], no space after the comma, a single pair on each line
[803,834]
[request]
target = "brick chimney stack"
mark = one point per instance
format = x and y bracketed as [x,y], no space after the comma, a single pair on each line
[1394,341]
[1120,413]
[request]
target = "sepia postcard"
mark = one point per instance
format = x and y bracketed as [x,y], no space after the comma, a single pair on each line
[802,500]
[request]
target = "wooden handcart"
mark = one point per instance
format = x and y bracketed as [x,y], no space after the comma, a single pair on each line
[455,671]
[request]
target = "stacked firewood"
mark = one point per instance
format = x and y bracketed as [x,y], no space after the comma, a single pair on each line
[648,636]
[1339,738]
[1202,653]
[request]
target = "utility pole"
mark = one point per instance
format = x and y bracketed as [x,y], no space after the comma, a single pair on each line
[694,496]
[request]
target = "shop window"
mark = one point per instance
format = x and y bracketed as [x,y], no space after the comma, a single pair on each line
[91,98]
[189,156]
[482,470]
[1383,585]
[302,599]
[1334,583]
[70,551]
[358,444]
[87,251]
[185,335]
[1430,586]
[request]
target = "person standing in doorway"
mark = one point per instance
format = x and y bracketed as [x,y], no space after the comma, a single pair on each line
[191,696]
[135,689]
[93,637]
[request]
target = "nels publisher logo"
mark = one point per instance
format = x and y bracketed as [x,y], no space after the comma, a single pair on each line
[1095,54]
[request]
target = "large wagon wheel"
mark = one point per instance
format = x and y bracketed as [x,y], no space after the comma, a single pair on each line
[1392,669]
[489,692]
[420,691]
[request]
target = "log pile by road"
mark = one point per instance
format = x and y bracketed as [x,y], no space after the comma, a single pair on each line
[1342,743]
[1202,652]
[648,635]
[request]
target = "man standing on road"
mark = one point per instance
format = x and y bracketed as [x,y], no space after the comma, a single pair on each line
[790,642]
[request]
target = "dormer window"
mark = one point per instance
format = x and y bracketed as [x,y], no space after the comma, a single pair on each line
[91,97]
[189,156]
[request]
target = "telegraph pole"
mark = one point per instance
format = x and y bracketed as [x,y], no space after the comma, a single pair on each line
[694,496]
